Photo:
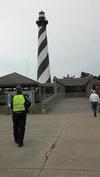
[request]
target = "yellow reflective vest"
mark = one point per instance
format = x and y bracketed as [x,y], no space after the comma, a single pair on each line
[18,103]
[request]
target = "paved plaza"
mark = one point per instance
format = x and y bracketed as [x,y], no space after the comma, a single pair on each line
[62,143]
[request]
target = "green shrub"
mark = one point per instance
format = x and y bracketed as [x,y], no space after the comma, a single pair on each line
[4,110]
[36,109]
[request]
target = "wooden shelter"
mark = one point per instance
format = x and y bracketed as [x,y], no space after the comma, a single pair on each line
[9,82]
[75,87]
[14,79]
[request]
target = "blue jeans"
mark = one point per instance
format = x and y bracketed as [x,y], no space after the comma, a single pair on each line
[94,106]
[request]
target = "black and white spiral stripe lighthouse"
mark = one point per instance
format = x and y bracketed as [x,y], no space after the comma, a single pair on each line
[43,71]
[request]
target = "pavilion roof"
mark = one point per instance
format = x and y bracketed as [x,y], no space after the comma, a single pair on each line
[14,79]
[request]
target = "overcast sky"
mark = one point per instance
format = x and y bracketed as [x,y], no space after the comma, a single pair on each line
[73,35]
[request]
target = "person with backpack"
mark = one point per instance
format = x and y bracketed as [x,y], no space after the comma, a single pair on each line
[20,105]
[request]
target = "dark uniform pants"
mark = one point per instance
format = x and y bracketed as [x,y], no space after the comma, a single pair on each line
[19,122]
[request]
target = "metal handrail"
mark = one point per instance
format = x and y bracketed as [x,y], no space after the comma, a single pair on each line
[50,101]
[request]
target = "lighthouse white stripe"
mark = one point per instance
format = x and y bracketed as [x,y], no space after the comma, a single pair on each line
[42,55]
[45,75]
[41,38]
[40,28]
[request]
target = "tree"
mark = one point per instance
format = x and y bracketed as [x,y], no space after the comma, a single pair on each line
[83,74]
[69,77]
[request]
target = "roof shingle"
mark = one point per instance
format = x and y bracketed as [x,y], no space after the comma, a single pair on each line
[14,79]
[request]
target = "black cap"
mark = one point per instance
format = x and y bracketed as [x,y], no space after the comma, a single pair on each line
[19,89]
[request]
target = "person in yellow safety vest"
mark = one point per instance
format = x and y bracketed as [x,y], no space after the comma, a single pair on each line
[19,105]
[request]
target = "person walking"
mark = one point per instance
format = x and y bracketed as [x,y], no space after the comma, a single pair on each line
[94,100]
[19,105]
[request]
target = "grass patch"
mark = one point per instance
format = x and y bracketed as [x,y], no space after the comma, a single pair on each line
[36,110]
[4,110]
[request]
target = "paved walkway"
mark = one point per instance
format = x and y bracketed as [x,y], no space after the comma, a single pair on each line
[59,144]
[71,105]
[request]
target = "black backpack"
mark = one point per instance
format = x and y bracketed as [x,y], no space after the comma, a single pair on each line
[27,104]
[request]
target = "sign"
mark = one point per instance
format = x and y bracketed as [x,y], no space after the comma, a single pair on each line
[29,95]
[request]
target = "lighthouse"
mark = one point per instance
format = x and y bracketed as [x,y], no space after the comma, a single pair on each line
[43,70]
